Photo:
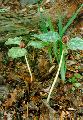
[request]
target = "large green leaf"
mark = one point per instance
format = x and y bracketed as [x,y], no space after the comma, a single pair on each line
[15,40]
[49,36]
[75,43]
[16,52]
[38,44]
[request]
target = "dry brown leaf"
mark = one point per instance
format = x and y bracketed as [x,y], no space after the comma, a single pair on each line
[12,99]
[43,64]
[62,115]
[1,56]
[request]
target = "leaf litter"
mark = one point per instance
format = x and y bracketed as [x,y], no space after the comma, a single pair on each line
[25,100]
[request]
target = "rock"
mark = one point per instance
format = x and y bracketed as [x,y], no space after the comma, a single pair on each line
[3,92]
[25,2]
[2,80]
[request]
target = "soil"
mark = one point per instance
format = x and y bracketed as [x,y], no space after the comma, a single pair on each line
[21,99]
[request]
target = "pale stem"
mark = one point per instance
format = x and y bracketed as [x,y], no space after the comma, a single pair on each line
[55,79]
[28,68]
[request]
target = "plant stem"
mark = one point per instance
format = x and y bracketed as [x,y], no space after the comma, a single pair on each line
[55,79]
[28,68]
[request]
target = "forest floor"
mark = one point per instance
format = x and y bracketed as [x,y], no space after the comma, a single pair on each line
[21,99]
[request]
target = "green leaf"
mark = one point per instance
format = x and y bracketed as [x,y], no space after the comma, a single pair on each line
[77,84]
[16,52]
[49,22]
[15,40]
[75,43]
[73,89]
[38,44]
[63,69]
[72,80]
[60,26]
[48,37]
[71,20]
[3,10]
[77,75]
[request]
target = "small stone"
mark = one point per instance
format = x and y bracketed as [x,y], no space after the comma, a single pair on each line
[2,80]
[3,92]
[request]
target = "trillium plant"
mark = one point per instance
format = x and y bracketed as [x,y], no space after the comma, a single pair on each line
[19,51]
[58,46]
[55,44]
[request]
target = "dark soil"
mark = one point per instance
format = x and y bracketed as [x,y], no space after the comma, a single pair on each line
[21,99]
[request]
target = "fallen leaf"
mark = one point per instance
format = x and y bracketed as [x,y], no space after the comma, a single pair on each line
[11,99]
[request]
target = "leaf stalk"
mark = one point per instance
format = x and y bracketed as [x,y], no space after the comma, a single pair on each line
[29,68]
[55,79]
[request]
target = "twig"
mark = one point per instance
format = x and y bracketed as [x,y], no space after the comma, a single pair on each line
[28,68]
[55,79]
[27,111]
